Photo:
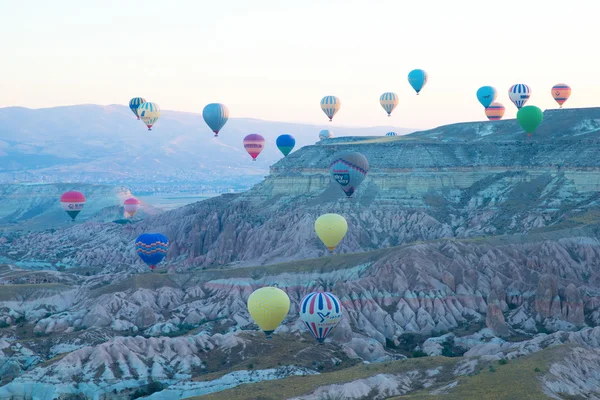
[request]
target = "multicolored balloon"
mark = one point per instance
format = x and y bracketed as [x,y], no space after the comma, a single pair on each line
[149,113]
[486,95]
[285,143]
[519,94]
[530,117]
[152,248]
[215,115]
[561,93]
[325,134]
[268,307]
[254,144]
[391,134]
[134,104]
[349,169]
[388,101]
[331,229]
[495,111]
[417,79]
[330,106]
[321,312]
[72,202]
[131,205]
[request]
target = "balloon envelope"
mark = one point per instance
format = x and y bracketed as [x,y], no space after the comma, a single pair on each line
[388,101]
[331,229]
[349,169]
[330,106]
[72,202]
[325,134]
[391,134]
[254,144]
[285,144]
[320,312]
[215,115]
[131,205]
[495,111]
[519,94]
[486,95]
[530,117]
[561,93]
[417,79]
[134,104]
[268,307]
[149,113]
[152,248]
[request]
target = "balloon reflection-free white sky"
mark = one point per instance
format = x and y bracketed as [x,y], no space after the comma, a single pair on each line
[275,59]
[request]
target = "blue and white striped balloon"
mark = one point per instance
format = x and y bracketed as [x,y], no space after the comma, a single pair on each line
[519,94]
[330,106]
[215,115]
[149,113]
[321,312]
[134,104]
[391,134]
[388,101]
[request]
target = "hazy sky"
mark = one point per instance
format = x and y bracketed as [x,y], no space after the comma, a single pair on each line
[275,59]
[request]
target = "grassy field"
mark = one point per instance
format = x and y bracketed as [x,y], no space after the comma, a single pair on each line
[516,380]
[298,385]
[12,292]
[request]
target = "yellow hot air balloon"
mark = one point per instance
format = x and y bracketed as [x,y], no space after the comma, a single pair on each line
[268,306]
[331,229]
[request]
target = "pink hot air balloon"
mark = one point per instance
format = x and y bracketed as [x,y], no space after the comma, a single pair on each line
[72,202]
[254,144]
[131,205]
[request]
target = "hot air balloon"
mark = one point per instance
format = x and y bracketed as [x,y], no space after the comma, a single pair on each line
[254,144]
[519,94]
[72,202]
[388,101]
[320,312]
[131,205]
[530,117]
[149,113]
[285,144]
[134,104]
[215,115]
[268,307]
[330,106]
[417,79]
[349,169]
[495,111]
[331,229]
[391,134]
[152,248]
[561,93]
[486,95]
[325,134]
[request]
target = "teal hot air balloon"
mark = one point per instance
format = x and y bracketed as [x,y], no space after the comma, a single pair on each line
[349,169]
[417,79]
[215,115]
[486,95]
[285,143]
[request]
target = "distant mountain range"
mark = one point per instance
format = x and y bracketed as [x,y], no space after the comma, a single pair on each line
[94,144]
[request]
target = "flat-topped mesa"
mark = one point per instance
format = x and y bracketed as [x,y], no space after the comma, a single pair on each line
[416,164]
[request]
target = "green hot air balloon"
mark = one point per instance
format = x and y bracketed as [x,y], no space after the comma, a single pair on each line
[529,117]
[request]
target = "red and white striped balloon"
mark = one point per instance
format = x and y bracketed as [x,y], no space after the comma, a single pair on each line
[131,205]
[254,144]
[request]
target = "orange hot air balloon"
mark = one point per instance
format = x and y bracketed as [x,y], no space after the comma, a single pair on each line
[254,144]
[561,93]
[495,111]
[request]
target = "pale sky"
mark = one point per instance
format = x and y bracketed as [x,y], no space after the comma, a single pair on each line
[275,59]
